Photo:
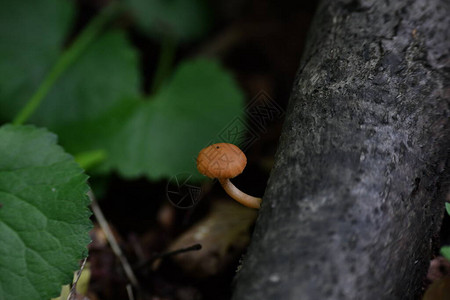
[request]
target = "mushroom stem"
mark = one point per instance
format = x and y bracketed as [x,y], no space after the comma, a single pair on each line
[238,195]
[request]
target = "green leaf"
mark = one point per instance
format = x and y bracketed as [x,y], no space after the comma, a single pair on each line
[44,219]
[86,102]
[447,207]
[97,133]
[201,104]
[162,136]
[95,106]
[31,35]
[445,251]
[104,74]
[179,19]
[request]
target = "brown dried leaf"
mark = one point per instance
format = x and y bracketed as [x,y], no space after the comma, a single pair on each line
[438,290]
[223,233]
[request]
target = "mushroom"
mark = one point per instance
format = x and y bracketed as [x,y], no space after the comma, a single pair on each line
[224,161]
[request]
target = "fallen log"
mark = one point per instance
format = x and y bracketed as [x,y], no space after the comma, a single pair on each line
[356,195]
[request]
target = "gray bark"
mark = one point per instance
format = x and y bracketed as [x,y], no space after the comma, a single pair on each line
[357,192]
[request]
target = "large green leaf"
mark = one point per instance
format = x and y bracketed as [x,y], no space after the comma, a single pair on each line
[104,74]
[178,19]
[160,137]
[31,35]
[201,104]
[44,219]
[96,106]
[85,104]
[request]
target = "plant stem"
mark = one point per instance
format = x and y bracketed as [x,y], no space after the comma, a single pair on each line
[166,58]
[88,159]
[112,240]
[67,58]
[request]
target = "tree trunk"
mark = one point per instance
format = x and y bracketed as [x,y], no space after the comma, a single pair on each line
[357,192]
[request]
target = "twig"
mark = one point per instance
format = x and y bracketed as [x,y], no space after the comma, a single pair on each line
[168,254]
[130,292]
[112,241]
[178,251]
[74,285]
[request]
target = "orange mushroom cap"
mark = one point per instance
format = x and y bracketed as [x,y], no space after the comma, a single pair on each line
[221,160]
